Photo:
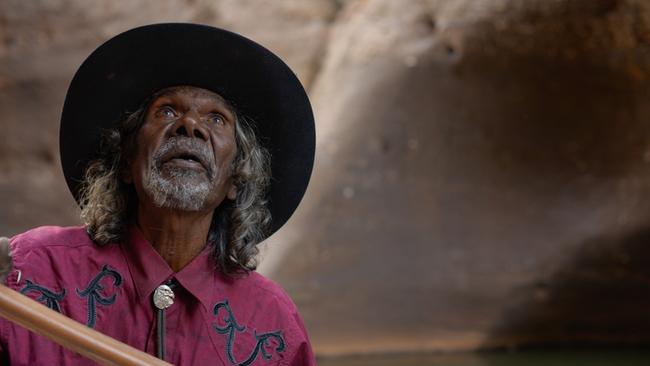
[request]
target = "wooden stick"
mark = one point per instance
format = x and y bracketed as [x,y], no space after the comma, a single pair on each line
[70,334]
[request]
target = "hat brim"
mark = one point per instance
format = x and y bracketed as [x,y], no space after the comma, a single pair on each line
[119,75]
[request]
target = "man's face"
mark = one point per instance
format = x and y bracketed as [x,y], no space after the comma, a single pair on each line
[184,151]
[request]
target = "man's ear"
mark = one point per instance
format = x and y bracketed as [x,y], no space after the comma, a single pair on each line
[232,192]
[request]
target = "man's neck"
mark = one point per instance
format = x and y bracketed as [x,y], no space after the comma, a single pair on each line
[178,236]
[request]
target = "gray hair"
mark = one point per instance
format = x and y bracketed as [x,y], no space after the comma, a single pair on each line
[108,204]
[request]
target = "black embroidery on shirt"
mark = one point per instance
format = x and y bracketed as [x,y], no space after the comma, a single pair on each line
[48,297]
[94,293]
[232,327]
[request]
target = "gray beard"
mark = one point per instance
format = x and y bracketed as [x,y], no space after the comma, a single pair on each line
[179,191]
[177,188]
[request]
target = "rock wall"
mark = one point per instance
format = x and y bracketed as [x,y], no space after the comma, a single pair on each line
[482,178]
[482,173]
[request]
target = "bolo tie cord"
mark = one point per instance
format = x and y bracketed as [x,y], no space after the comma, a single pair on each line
[160,329]
[162,298]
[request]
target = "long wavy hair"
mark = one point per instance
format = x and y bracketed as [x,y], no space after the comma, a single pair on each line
[108,204]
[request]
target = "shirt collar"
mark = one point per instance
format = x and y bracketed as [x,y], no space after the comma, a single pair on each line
[149,270]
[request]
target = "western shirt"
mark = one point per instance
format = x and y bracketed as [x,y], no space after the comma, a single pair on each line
[214,320]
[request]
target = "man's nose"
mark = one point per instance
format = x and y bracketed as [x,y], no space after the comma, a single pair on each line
[189,125]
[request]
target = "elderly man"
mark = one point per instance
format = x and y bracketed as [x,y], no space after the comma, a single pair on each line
[185,146]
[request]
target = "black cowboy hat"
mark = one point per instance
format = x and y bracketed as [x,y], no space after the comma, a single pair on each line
[119,75]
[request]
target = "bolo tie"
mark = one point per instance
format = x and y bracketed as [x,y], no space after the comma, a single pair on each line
[163,298]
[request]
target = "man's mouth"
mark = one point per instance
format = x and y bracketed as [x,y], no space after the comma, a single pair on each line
[185,154]
[186,157]
[187,160]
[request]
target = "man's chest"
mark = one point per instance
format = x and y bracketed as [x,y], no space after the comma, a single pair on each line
[227,331]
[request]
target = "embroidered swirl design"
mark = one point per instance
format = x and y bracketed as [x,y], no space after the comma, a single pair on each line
[47,297]
[232,327]
[94,293]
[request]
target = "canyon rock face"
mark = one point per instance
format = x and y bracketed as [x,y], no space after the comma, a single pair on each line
[482,176]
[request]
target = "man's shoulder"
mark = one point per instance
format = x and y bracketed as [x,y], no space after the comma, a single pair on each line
[269,289]
[50,236]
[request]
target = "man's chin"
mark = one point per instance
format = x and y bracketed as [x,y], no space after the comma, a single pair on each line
[181,206]
[180,201]
[187,192]
[180,177]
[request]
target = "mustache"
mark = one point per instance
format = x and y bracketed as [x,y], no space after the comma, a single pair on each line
[181,146]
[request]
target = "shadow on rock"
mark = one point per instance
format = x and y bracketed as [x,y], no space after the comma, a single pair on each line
[599,296]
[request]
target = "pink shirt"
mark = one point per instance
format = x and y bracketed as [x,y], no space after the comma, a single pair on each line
[215,320]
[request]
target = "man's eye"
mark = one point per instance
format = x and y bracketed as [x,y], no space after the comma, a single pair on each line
[217,118]
[166,112]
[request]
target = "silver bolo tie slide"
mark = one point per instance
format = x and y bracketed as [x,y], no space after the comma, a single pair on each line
[163,298]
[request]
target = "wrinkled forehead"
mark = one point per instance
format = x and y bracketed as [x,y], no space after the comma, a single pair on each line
[194,93]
